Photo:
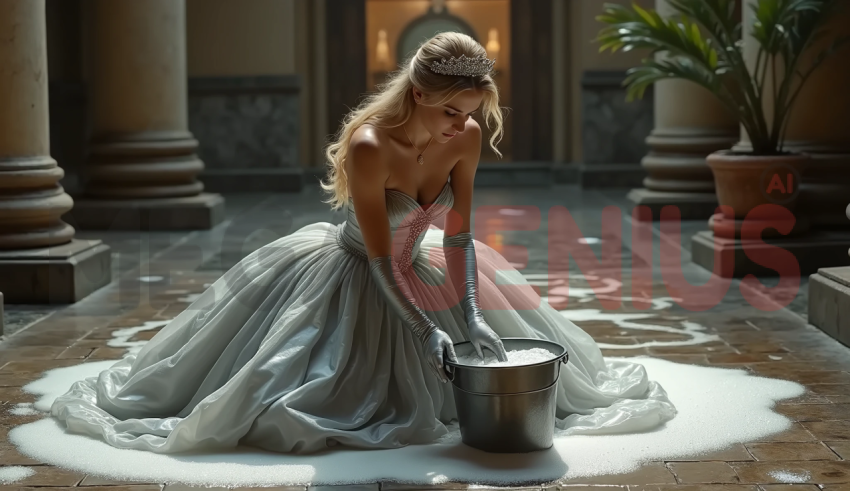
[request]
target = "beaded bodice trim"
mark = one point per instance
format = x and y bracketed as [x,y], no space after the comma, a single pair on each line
[408,221]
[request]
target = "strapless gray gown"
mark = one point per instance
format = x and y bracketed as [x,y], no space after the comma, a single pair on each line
[295,350]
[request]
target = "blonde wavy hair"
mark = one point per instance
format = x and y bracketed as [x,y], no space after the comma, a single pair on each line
[393,103]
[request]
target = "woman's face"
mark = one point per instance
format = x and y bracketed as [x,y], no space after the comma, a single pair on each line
[446,120]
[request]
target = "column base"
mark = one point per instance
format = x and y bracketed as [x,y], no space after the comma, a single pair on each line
[829,302]
[201,212]
[253,180]
[692,206]
[813,251]
[60,274]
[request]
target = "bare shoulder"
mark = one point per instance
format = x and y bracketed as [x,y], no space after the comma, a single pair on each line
[470,142]
[365,138]
[472,127]
[364,162]
[365,150]
[470,138]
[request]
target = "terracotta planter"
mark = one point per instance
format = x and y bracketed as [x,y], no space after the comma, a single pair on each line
[744,182]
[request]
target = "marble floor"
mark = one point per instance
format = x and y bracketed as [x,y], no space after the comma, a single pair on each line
[756,328]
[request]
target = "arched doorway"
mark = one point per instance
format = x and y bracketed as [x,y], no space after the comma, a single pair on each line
[518,33]
[396,28]
[435,21]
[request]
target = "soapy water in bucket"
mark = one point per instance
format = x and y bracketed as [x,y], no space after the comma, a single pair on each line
[518,357]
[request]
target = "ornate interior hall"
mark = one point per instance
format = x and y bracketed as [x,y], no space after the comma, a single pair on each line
[146,147]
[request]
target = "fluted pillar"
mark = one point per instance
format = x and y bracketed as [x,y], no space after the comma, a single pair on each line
[690,123]
[40,262]
[143,169]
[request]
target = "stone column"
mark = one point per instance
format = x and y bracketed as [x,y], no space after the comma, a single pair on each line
[690,123]
[143,167]
[818,125]
[40,261]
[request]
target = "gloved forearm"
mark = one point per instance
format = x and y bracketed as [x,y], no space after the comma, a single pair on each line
[462,269]
[397,295]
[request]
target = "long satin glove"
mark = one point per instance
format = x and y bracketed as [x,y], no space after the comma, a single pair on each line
[435,342]
[460,258]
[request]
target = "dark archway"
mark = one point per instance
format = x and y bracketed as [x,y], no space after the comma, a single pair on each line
[426,26]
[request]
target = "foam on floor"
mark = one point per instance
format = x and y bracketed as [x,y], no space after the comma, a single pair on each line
[791,477]
[14,473]
[23,409]
[717,407]
[559,292]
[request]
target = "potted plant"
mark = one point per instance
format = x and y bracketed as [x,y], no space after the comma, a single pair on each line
[702,43]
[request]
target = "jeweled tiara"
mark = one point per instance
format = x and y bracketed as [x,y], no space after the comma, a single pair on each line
[463,66]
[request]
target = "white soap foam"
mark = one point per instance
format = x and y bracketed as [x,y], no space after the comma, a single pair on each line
[23,409]
[121,337]
[515,358]
[733,400]
[694,331]
[14,473]
[558,292]
[790,477]
[729,399]
[58,381]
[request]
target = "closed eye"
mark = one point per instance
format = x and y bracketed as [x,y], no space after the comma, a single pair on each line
[453,111]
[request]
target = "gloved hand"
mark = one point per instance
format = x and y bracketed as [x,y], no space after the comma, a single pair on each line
[435,343]
[460,261]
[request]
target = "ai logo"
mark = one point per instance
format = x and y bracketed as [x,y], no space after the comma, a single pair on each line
[780,183]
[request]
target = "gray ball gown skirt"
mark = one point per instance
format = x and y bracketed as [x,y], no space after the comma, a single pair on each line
[295,350]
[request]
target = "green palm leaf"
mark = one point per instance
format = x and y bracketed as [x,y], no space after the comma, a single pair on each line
[703,44]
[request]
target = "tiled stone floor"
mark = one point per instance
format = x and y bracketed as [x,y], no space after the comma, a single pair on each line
[775,343]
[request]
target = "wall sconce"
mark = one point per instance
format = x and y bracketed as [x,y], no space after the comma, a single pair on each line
[493,47]
[382,51]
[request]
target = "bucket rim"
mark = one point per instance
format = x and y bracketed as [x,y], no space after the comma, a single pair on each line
[563,356]
[498,394]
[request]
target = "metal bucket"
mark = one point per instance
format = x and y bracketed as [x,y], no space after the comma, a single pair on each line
[507,409]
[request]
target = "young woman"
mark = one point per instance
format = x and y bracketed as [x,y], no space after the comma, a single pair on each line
[337,334]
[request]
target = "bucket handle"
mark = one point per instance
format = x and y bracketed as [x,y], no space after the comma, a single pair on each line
[565,358]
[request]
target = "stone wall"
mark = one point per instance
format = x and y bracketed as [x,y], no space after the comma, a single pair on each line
[613,130]
[248,129]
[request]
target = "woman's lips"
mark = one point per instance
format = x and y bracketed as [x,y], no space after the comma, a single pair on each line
[449,135]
